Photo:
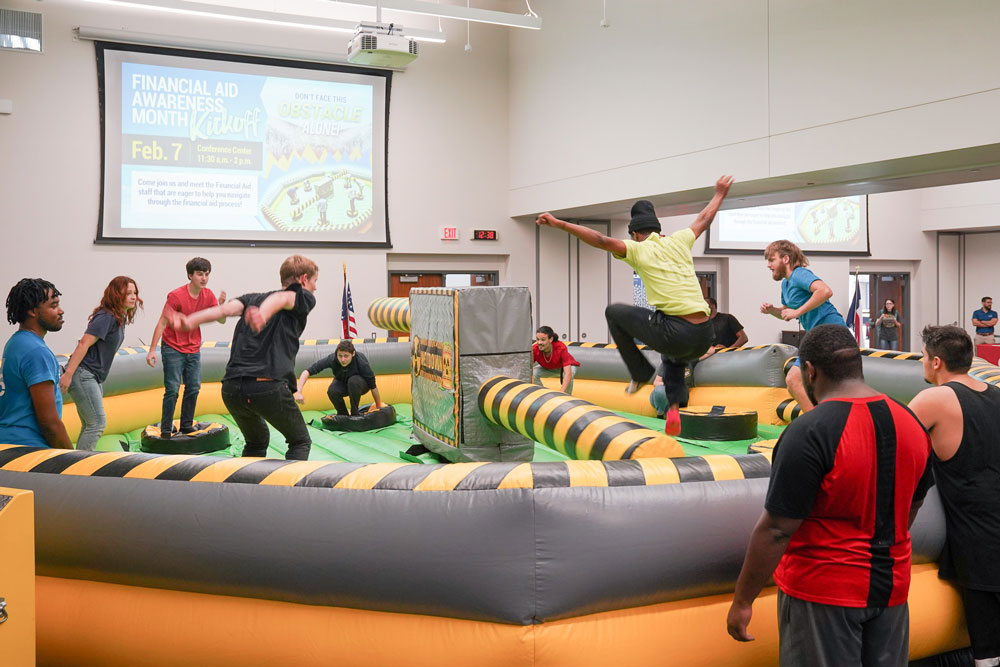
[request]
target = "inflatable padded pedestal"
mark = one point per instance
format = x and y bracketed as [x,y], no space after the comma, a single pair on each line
[717,422]
[368,420]
[210,437]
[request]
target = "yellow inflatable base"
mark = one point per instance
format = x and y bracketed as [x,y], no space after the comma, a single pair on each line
[77,625]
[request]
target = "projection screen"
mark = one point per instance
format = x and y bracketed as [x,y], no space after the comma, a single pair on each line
[203,148]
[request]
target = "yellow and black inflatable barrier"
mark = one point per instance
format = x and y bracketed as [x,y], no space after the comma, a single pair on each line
[390,313]
[788,410]
[478,476]
[984,371]
[578,429]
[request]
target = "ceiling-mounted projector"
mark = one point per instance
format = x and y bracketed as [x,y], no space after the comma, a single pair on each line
[381,45]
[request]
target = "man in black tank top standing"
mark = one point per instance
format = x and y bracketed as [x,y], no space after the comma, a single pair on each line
[963,417]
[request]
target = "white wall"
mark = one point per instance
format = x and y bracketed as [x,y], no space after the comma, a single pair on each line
[447,166]
[675,93]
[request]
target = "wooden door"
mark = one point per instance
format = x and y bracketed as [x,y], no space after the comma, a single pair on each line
[895,286]
[400,285]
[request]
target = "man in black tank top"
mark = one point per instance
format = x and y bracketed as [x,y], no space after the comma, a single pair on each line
[962,415]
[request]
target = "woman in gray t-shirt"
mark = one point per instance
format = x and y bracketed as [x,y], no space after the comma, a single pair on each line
[90,362]
[888,325]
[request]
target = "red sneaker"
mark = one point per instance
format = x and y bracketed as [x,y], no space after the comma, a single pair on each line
[672,427]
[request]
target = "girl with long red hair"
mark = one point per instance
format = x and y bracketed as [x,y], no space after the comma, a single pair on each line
[90,362]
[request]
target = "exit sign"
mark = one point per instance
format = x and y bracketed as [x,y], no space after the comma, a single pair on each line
[449,233]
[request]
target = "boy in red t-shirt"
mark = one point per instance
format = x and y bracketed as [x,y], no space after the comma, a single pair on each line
[181,350]
[552,359]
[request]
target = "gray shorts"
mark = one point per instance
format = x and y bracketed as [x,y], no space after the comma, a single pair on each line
[822,635]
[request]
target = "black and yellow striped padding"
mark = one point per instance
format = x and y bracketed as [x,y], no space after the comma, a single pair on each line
[764,448]
[789,362]
[389,476]
[743,349]
[788,410]
[578,429]
[143,349]
[390,313]
[891,354]
[868,352]
[436,291]
[984,371]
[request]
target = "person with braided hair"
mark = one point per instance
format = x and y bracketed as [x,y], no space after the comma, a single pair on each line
[30,403]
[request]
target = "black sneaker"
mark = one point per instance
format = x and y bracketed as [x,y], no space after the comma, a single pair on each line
[166,430]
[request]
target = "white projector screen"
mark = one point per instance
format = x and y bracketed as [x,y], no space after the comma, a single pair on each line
[831,226]
[213,149]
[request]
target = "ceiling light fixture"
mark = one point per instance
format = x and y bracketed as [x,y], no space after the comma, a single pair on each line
[529,21]
[257,16]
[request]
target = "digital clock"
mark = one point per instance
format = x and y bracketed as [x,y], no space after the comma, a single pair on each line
[485,235]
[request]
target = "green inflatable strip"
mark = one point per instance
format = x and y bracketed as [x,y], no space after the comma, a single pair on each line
[543,453]
[350,449]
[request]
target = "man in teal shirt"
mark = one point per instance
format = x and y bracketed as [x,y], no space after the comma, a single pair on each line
[679,328]
[804,297]
[30,401]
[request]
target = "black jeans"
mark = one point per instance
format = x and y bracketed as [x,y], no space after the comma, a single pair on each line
[677,340]
[355,387]
[252,402]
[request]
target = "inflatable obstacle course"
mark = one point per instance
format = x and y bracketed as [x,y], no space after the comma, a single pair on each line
[554,526]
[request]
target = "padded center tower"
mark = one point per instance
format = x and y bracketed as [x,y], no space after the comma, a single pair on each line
[459,338]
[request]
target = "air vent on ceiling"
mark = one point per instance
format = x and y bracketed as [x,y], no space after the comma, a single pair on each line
[20,31]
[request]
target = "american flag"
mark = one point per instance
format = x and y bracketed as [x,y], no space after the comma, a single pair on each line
[854,312]
[347,310]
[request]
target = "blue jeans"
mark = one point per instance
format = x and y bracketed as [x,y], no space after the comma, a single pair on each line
[178,365]
[88,395]
[658,399]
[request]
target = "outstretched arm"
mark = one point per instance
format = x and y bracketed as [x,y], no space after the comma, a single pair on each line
[181,322]
[257,317]
[591,237]
[707,214]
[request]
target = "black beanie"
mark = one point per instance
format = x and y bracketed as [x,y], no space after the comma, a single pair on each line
[643,217]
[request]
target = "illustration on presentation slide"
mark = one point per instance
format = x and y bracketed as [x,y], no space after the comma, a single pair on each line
[223,151]
[831,220]
[837,224]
